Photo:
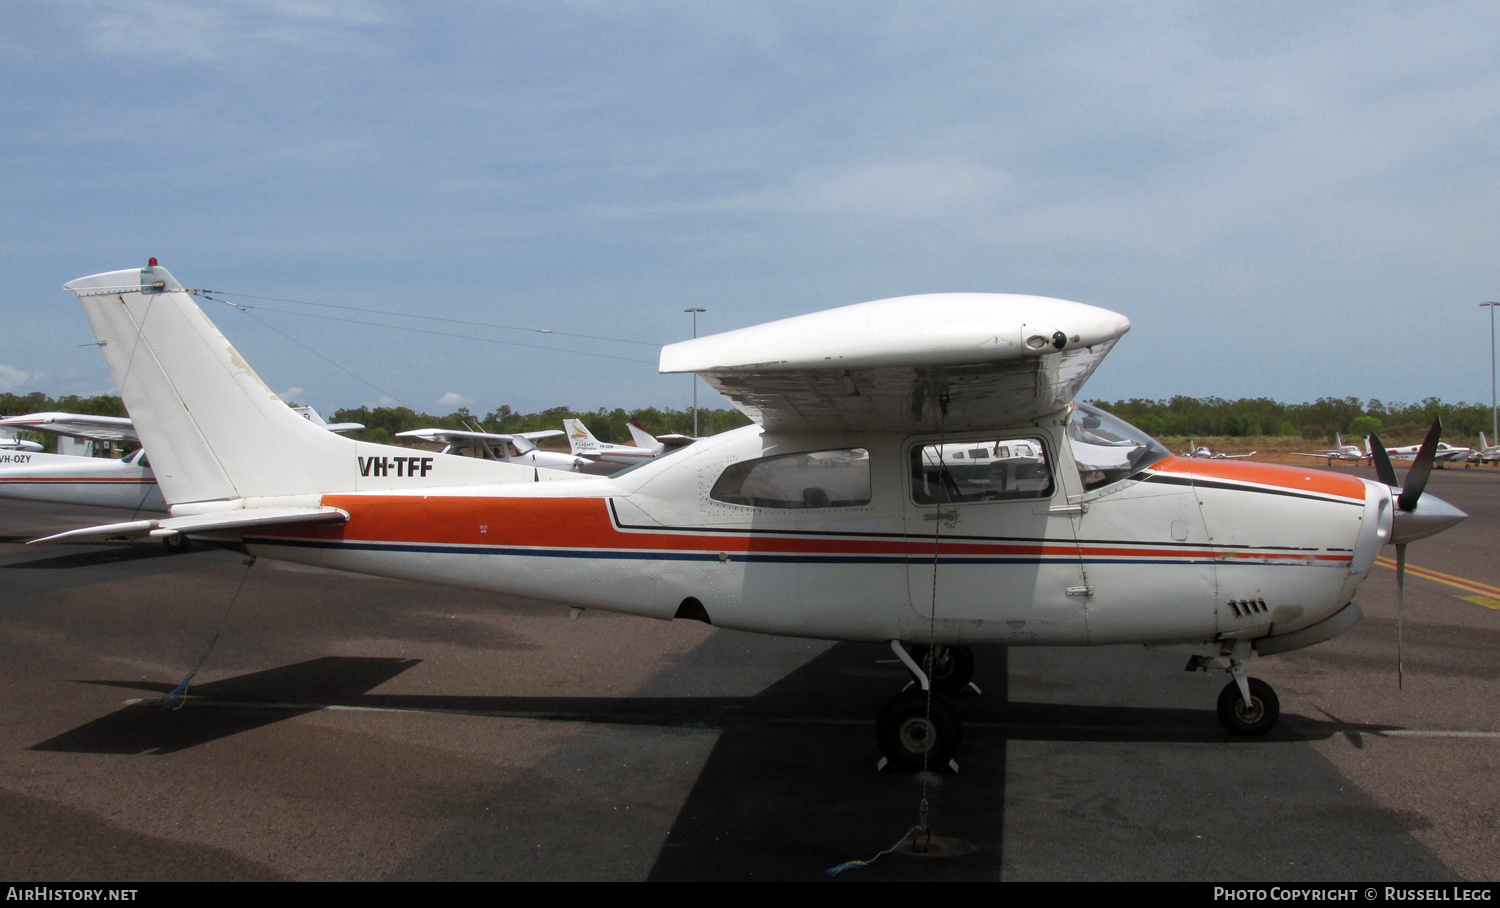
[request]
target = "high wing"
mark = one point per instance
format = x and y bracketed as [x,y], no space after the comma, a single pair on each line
[952,361]
[121,430]
[77,425]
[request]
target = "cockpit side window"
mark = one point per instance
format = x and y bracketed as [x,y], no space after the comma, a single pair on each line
[1107,448]
[991,470]
[810,480]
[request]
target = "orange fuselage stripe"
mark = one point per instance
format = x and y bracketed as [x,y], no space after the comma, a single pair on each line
[1296,479]
[584,523]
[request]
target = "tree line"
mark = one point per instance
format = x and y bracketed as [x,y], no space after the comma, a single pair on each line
[1321,419]
[1179,416]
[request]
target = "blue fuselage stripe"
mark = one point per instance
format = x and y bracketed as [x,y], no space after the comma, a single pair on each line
[757,557]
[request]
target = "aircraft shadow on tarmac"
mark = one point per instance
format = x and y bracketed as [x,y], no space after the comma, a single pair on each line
[835,690]
[94,556]
[219,709]
[789,788]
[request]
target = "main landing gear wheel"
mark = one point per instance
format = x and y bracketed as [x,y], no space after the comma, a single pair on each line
[176,543]
[907,734]
[952,668]
[1254,719]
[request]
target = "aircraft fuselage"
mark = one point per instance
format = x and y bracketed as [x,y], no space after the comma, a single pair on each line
[1181,551]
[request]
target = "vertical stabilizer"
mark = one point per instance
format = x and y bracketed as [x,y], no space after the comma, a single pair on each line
[644,439]
[213,429]
[580,440]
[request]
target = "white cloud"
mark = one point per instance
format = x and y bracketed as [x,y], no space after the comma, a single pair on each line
[11,378]
[454,399]
[291,394]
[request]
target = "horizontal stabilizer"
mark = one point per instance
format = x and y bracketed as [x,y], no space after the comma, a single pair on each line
[244,519]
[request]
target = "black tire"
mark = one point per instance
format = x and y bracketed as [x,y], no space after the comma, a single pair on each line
[1263,712]
[953,671]
[176,543]
[908,737]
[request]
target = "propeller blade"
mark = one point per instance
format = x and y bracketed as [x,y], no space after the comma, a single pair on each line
[1421,468]
[1400,602]
[1383,469]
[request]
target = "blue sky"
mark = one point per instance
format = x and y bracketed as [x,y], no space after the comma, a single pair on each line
[1287,199]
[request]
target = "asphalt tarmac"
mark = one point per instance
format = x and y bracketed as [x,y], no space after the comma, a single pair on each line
[344,727]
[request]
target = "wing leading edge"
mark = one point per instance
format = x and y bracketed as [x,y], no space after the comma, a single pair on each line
[916,363]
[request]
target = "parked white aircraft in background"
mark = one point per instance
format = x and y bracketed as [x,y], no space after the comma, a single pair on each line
[1487,452]
[1445,454]
[311,415]
[660,444]
[11,440]
[821,520]
[1342,451]
[517,447]
[102,482]
[127,483]
[119,430]
[583,443]
[1197,450]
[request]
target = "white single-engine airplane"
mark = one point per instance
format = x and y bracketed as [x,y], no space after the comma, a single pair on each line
[127,483]
[1487,452]
[660,444]
[518,447]
[1444,455]
[1342,451]
[1203,451]
[825,519]
[583,444]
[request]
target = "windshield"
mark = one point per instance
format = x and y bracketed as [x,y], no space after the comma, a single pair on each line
[1107,448]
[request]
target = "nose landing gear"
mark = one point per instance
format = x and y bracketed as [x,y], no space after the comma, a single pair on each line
[1247,706]
[1254,717]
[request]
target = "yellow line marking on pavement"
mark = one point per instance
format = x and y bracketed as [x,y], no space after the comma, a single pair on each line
[1463,583]
[1485,601]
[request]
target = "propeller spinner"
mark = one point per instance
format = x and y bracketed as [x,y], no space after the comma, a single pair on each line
[1417,516]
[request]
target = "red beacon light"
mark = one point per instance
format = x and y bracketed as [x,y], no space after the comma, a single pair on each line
[151,263]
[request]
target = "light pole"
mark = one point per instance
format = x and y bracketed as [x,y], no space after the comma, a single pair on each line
[1494,412]
[695,376]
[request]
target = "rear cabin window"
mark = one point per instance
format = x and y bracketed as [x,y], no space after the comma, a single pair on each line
[815,479]
[997,470]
